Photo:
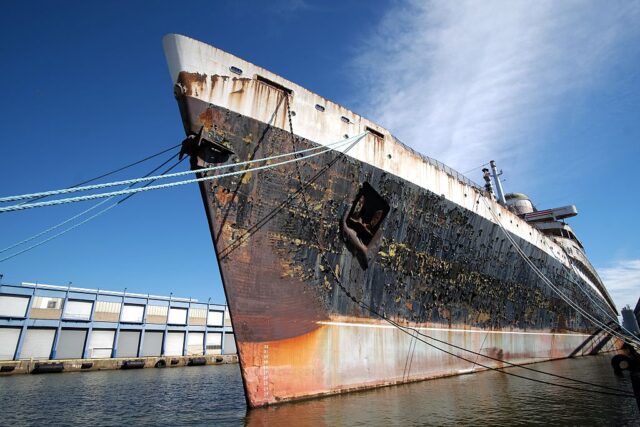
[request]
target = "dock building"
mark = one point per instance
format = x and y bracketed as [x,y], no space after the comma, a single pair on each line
[45,322]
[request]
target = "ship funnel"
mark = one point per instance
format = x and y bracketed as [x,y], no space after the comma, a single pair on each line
[496,175]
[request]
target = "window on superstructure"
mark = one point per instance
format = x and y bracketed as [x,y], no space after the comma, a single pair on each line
[235,70]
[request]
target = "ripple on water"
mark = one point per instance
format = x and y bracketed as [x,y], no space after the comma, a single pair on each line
[213,395]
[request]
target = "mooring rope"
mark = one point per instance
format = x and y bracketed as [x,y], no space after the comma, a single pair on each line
[171,175]
[97,214]
[553,287]
[406,329]
[351,141]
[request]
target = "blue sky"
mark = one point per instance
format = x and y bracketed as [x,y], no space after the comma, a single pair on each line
[550,90]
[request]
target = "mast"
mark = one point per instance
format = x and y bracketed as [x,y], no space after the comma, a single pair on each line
[499,190]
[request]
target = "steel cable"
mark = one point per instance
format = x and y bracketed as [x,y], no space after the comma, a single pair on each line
[77,188]
[88,218]
[172,184]
[137,162]
[327,266]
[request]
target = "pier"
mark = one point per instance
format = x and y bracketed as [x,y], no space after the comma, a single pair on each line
[47,328]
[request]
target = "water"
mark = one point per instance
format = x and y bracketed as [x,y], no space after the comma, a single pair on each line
[213,395]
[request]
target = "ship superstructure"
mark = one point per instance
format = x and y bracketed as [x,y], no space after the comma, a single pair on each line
[326,259]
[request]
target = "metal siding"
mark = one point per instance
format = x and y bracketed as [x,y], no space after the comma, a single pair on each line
[195,343]
[157,314]
[46,308]
[175,343]
[37,344]
[152,345]
[71,343]
[8,342]
[107,311]
[78,310]
[101,343]
[229,344]
[13,306]
[197,316]
[177,316]
[128,342]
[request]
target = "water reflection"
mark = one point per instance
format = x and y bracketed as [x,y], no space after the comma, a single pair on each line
[213,395]
[484,398]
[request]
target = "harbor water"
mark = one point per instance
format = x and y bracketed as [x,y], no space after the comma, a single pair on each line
[213,395]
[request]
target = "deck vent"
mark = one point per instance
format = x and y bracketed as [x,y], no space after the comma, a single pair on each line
[273,84]
[375,133]
[345,119]
[235,70]
[320,108]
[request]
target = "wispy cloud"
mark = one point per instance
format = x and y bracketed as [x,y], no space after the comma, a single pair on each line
[463,81]
[622,279]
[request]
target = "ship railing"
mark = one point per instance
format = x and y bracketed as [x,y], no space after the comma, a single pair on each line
[452,172]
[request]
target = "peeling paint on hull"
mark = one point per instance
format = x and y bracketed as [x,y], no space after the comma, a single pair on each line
[345,356]
[436,266]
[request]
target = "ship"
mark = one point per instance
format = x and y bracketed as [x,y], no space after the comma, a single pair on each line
[351,261]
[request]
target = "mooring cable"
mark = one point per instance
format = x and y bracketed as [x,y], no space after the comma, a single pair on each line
[97,205]
[402,328]
[75,189]
[553,287]
[596,303]
[120,169]
[171,184]
[97,214]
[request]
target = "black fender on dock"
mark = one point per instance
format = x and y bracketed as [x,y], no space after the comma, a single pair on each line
[197,361]
[47,368]
[132,364]
[161,364]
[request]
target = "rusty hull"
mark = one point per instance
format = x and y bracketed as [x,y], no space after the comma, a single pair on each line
[437,266]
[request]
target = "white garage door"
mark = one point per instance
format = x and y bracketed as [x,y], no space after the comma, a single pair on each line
[215,318]
[37,344]
[229,344]
[195,343]
[177,316]
[11,306]
[8,342]
[175,344]
[78,310]
[101,343]
[132,313]
[214,343]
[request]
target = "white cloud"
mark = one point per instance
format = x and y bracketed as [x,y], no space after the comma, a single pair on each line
[463,81]
[622,280]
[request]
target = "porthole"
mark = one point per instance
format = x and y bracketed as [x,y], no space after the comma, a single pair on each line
[235,70]
[320,108]
[345,119]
